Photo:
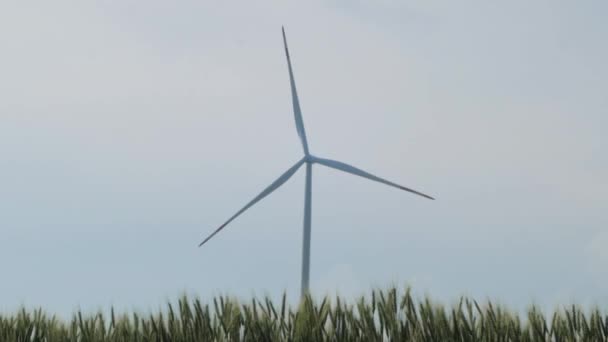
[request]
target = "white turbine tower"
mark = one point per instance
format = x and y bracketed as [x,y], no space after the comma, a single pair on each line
[308,159]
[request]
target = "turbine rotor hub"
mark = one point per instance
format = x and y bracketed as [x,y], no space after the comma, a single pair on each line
[310,159]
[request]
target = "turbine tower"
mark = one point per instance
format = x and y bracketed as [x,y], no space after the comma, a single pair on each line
[309,160]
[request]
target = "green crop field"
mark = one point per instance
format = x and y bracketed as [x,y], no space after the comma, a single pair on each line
[383,315]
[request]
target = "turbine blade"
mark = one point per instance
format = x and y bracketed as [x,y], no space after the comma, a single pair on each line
[272,187]
[355,171]
[296,103]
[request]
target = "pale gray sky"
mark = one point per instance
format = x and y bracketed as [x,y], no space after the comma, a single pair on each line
[130,130]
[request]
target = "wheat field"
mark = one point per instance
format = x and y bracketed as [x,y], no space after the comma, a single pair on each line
[382,315]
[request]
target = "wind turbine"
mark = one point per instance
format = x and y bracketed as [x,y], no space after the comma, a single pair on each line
[309,160]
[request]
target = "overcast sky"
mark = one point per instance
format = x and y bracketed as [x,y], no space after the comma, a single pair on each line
[130,130]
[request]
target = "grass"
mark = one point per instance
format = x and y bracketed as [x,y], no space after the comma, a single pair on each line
[383,315]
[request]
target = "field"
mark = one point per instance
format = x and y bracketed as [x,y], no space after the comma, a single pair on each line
[383,315]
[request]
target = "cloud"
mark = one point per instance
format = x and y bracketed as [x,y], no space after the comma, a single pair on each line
[597,256]
[340,279]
